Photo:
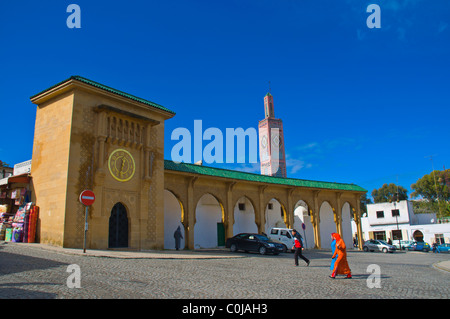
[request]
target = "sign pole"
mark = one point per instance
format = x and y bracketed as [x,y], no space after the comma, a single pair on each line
[87,198]
[85,228]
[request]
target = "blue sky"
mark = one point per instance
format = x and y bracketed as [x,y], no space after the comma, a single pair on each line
[358,105]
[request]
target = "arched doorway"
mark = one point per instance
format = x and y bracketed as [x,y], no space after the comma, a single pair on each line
[209,231]
[327,225]
[275,215]
[172,220]
[118,227]
[418,236]
[301,215]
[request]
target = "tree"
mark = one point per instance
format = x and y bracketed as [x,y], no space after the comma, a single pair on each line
[433,186]
[388,193]
[364,201]
[434,191]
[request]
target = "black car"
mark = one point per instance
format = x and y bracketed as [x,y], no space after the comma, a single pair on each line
[253,242]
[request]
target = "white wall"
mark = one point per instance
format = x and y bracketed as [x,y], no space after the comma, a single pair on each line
[208,213]
[244,221]
[301,216]
[327,225]
[403,207]
[172,219]
[273,216]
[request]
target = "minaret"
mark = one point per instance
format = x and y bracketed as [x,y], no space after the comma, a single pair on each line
[271,142]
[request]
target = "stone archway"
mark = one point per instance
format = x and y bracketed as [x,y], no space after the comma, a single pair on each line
[327,225]
[275,215]
[301,215]
[173,211]
[209,231]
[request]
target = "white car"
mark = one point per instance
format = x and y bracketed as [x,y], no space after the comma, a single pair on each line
[378,245]
[284,236]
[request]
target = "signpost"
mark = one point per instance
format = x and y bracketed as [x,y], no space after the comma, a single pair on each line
[87,198]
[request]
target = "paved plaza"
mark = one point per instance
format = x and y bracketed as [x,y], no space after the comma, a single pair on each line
[36,271]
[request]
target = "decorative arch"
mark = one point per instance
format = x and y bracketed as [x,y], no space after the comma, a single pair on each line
[275,217]
[173,218]
[327,224]
[209,231]
[302,215]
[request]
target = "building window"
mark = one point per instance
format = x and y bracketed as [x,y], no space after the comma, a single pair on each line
[241,206]
[380,214]
[380,235]
[270,206]
[439,238]
[395,213]
[397,235]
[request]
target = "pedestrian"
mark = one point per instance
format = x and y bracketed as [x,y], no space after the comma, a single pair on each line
[341,265]
[178,236]
[298,246]
[435,248]
[333,249]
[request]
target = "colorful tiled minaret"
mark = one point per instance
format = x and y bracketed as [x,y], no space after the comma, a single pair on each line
[271,142]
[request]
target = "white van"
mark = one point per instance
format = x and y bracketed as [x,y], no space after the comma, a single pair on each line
[284,236]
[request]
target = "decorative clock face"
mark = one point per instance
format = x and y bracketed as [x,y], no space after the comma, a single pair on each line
[121,165]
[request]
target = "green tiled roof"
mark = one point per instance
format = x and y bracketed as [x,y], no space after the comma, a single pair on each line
[225,173]
[110,90]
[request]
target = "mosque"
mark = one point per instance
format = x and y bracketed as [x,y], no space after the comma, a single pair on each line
[91,136]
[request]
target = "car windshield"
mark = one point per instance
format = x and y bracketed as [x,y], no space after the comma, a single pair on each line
[262,238]
[383,242]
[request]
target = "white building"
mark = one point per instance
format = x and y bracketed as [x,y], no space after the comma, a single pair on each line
[397,221]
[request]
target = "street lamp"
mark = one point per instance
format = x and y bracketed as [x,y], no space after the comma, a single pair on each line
[396,199]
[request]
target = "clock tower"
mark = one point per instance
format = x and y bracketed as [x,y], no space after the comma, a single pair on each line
[271,142]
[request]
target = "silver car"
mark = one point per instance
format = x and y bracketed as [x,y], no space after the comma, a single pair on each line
[378,245]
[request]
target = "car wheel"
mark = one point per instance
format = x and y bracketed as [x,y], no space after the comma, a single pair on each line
[262,250]
[233,248]
[284,249]
[385,250]
[426,250]
[366,249]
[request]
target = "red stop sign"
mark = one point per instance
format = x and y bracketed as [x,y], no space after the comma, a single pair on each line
[87,197]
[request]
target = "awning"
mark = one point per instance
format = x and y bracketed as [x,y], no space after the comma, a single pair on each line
[22,178]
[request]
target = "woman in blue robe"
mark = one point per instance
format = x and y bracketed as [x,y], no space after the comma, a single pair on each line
[333,248]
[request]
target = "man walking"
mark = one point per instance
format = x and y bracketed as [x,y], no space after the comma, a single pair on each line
[298,246]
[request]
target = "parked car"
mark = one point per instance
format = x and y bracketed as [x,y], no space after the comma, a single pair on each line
[419,246]
[283,236]
[378,245]
[443,248]
[404,243]
[253,242]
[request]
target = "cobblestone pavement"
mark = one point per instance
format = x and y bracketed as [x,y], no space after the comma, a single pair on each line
[32,272]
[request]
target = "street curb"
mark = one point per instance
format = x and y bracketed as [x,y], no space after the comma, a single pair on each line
[122,254]
[442,266]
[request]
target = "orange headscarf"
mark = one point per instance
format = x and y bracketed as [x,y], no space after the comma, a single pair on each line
[336,236]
